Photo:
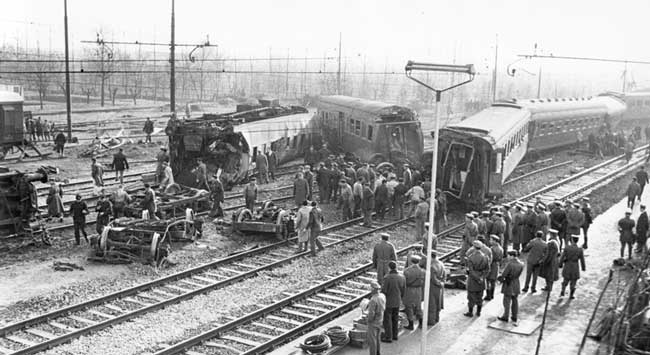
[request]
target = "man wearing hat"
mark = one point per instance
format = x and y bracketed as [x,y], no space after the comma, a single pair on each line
[381,200]
[633,190]
[148,203]
[272,158]
[482,222]
[148,129]
[414,276]
[346,200]
[499,226]
[571,256]
[250,194]
[393,288]
[536,253]
[470,233]
[407,175]
[625,227]
[309,177]
[367,204]
[383,252]
[517,227]
[530,224]
[436,292]
[642,227]
[542,219]
[507,234]
[559,221]
[421,216]
[641,179]
[586,210]
[335,176]
[478,268]
[323,176]
[509,279]
[375,317]
[161,157]
[79,210]
[104,210]
[497,257]
[549,269]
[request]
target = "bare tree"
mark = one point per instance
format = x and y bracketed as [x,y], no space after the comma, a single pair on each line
[43,77]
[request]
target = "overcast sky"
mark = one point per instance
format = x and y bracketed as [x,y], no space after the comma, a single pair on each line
[380,30]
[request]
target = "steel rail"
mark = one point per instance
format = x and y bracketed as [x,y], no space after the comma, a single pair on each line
[537,172]
[119,295]
[288,301]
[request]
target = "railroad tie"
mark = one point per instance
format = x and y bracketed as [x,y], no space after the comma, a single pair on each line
[212,344]
[41,333]
[61,326]
[83,320]
[241,340]
[203,279]
[252,333]
[270,327]
[298,305]
[20,340]
[245,266]
[285,320]
[98,313]
[6,351]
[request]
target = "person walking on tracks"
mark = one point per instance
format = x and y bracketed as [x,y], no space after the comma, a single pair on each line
[549,269]
[536,255]
[120,164]
[625,227]
[641,179]
[571,256]
[148,129]
[633,190]
[315,226]
[478,268]
[79,210]
[509,279]
[375,316]
[382,253]
[497,257]
[250,194]
[54,202]
[642,226]
[302,226]
[59,143]
[414,277]
[216,196]
[393,288]
[97,172]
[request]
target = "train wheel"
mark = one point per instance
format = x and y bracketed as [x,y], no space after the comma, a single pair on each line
[244,215]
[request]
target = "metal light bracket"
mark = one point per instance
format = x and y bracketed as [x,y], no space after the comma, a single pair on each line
[444,68]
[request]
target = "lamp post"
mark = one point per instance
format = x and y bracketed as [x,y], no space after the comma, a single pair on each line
[444,68]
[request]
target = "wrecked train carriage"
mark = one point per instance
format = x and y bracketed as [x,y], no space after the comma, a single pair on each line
[231,143]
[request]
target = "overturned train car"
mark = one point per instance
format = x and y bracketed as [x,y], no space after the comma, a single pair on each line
[478,154]
[230,144]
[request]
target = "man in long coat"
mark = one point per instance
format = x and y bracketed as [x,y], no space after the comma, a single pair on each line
[302,224]
[549,269]
[262,166]
[120,164]
[571,256]
[323,180]
[625,227]
[382,253]
[510,287]
[375,317]
[250,194]
[642,230]
[586,211]
[437,289]
[399,197]
[272,158]
[558,221]
[104,211]
[421,217]
[414,276]
[381,200]
[478,267]
[633,190]
[575,219]
[216,196]
[497,257]
[346,200]
[148,203]
[367,204]
[148,129]
[300,189]
[530,225]
[517,227]
[536,255]
[393,288]
[54,202]
[470,233]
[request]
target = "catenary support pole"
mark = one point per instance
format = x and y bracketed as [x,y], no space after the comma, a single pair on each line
[172,68]
[68,108]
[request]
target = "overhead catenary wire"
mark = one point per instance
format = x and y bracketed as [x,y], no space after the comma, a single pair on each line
[222,71]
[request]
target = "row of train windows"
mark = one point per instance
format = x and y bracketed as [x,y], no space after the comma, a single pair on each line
[288,142]
[516,139]
[351,126]
[639,103]
[566,125]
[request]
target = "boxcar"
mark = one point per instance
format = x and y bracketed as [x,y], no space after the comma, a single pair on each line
[374,131]
[12,127]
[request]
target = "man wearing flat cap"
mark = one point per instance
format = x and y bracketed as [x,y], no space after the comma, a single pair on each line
[478,268]
[414,276]
[633,190]
[549,269]
[497,257]
[575,219]
[382,254]
[572,257]
[393,288]
[530,224]
[509,279]
[625,227]
[642,227]
[436,292]
[559,221]
[250,194]
[375,316]
[517,227]
[470,233]
[586,210]
[536,254]
[499,226]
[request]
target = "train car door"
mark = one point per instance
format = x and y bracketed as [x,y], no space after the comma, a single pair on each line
[340,130]
[457,165]
[495,173]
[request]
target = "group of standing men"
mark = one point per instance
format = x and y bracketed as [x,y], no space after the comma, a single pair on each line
[39,130]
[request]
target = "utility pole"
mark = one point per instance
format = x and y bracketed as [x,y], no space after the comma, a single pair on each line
[286,77]
[172,70]
[539,82]
[250,91]
[67,71]
[624,77]
[338,73]
[494,73]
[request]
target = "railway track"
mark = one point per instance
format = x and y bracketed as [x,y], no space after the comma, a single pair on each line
[59,326]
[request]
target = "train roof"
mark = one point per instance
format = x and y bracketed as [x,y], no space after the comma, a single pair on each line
[10,97]
[492,123]
[377,108]
[272,129]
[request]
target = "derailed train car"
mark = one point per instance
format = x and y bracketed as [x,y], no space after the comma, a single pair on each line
[478,154]
[230,144]
[374,131]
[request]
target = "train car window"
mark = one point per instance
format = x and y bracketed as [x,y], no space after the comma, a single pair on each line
[357,127]
[369,133]
[363,129]
[351,126]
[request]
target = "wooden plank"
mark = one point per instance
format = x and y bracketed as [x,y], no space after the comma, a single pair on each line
[20,340]
[98,313]
[351,289]
[163,293]
[324,295]
[41,333]
[82,320]
[323,302]
[231,270]
[204,279]
[190,352]
[212,274]
[241,340]
[298,305]
[133,300]
[270,327]
[61,326]
[285,320]
[360,284]
[342,292]
[299,314]
[185,281]
[256,334]
[153,298]
[183,290]
[245,266]
[221,346]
